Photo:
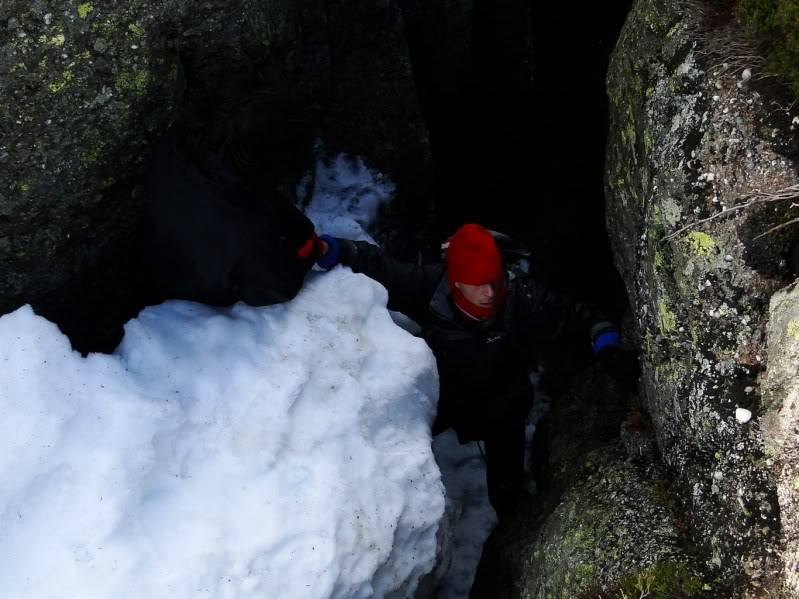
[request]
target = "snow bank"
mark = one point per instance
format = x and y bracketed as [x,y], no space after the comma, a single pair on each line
[242,452]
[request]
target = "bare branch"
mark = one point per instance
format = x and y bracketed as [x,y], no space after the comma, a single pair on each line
[759,197]
[778,227]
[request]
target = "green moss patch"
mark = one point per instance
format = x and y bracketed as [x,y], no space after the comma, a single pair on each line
[663,580]
[793,328]
[668,320]
[84,9]
[136,30]
[700,244]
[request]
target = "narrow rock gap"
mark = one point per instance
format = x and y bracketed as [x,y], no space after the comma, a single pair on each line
[514,97]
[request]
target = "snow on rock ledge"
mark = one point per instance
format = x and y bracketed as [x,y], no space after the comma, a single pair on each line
[242,452]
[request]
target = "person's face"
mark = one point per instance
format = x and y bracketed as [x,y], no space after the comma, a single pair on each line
[480,295]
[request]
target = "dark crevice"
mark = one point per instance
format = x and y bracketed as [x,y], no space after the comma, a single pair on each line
[518,119]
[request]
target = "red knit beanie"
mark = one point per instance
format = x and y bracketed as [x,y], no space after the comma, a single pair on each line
[473,259]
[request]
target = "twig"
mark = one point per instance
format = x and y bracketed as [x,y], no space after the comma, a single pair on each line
[777,228]
[761,197]
[695,224]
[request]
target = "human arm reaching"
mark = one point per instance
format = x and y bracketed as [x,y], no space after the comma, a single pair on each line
[410,286]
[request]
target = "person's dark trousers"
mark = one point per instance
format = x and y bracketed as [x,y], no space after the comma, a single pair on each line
[500,424]
[505,465]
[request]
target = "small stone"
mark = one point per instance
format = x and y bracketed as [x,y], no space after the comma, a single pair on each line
[718,475]
[13,23]
[728,258]
[48,18]
[743,415]
[749,389]
[100,45]
[746,75]
[718,84]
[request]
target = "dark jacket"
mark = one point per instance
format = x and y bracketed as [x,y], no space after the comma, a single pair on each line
[483,366]
[210,239]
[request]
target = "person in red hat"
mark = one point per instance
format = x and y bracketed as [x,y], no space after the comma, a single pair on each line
[484,324]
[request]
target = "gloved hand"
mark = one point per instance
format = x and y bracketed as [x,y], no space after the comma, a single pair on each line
[620,364]
[331,251]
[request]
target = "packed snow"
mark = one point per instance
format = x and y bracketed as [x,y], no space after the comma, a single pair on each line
[240,452]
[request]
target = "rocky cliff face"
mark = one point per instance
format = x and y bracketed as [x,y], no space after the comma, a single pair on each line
[605,522]
[688,489]
[695,156]
[781,422]
[699,178]
[89,87]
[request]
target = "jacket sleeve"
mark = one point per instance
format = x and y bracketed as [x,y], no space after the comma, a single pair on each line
[410,286]
[543,317]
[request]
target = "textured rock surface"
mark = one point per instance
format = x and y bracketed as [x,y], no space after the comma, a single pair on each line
[687,143]
[85,86]
[781,422]
[602,518]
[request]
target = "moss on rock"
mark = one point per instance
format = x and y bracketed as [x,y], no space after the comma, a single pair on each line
[700,244]
[699,296]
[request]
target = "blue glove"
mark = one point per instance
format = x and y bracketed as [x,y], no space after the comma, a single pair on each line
[330,258]
[606,339]
[620,364]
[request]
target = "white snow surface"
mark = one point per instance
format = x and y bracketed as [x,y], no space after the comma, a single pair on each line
[470,515]
[242,452]
[347,197]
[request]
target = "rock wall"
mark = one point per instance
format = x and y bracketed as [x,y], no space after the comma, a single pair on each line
[603,521]
[90,86]
[781,423]
[691,142]
[699,178]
